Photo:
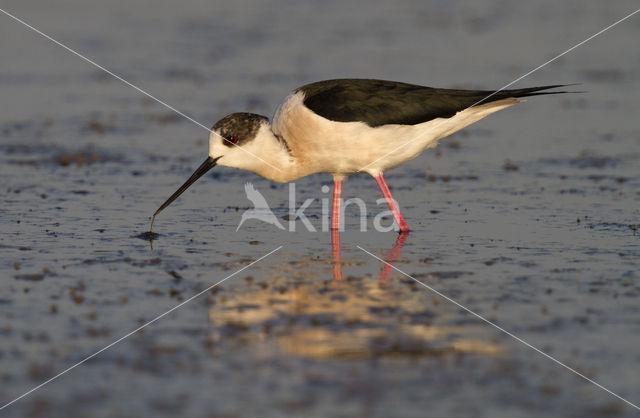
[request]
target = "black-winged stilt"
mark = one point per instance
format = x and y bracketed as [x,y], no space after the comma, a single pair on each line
[345,126]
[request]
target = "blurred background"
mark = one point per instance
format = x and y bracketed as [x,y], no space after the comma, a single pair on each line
[528,217]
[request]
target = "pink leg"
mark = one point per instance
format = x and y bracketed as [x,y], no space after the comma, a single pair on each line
[335,229]
[392,204]
[335,211]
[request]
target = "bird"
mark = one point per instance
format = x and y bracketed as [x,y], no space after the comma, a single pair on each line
[261,209]
[347,126]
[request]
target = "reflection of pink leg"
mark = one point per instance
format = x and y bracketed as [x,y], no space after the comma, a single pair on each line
[335,229]
[393,205]
[393,254]
[335,252]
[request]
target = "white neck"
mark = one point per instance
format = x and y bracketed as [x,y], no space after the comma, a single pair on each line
[265,155]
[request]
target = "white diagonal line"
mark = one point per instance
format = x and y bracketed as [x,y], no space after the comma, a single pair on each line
[137,329]
[168,106]
[502,329]
[507,85]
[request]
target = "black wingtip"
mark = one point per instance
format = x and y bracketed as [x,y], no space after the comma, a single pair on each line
[538,91]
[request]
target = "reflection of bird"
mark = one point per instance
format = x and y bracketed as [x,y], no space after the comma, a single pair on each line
[261,209]
[348,126]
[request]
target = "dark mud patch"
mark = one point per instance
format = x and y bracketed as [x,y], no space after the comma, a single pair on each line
[443,275]
[585,160]
[495,260]
[598,178]
[99,127]
[147,236]
[85,157]
[28,128]
[35,277]
[164,118]
[510,166]
[445,178]
[38,155]
[573,191]
[591,160]
[614,226]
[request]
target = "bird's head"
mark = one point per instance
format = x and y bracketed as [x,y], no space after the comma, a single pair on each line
[235,139]
[233,142]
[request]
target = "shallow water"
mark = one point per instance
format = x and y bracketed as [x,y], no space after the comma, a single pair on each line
[528,218]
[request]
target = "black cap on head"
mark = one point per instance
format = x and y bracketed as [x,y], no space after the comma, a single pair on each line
[239,128]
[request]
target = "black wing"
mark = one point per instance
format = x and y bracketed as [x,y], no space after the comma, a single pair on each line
[380,102]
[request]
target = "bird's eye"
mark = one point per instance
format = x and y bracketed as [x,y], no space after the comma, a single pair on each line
[232,140]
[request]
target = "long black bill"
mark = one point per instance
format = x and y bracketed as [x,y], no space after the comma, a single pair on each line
[207,165]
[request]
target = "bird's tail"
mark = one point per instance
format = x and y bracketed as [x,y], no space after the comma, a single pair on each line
[530,91]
